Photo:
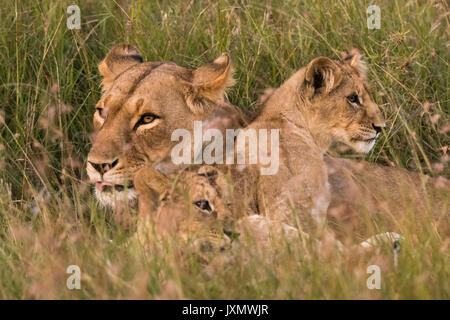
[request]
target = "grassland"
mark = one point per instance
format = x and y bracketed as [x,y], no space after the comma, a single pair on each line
[49,85]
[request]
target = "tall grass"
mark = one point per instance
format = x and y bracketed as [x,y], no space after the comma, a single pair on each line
[49,85]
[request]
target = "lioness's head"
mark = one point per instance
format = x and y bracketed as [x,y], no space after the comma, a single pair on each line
[141,105]
[335,102]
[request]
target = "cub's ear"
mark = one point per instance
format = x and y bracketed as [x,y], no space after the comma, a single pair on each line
[323,74]
[356,62]
[151,186]
[210,82]
[118,59]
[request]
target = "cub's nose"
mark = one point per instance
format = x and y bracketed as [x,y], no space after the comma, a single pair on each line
[376,128]
[102,168]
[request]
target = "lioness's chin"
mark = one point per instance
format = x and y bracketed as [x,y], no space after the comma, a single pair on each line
[362,146]
[115,199]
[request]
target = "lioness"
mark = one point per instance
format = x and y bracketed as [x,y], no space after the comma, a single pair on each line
[323,102]
[141,105]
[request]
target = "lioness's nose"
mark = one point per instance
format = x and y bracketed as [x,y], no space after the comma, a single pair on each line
[102,168]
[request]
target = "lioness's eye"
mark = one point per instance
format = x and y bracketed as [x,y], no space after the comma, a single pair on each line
[353,98]
[145,119]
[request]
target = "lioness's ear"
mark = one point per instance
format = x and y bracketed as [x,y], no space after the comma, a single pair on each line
[118,59]
[210,82]
[323,74]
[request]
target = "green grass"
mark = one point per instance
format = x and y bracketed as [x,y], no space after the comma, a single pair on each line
[49,85]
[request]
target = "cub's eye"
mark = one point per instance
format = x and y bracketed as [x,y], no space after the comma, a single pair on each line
[353,98]
[145,119]
[203,205]
[100,112]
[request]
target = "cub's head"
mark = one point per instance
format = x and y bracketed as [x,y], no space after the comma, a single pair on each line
[195,206]
[141,105]
[337,102]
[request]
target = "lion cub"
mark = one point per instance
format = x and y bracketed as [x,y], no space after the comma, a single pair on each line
[196,207]
[324,102]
